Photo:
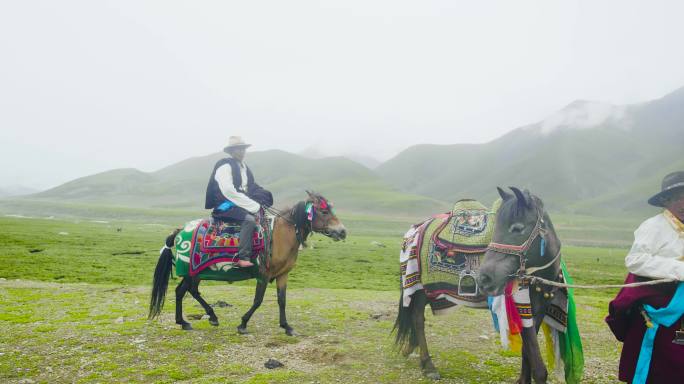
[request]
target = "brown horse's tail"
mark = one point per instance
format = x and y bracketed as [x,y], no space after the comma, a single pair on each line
[162,273]
[405,325]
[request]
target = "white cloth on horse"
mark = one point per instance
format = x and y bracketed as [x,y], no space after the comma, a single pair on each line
[499,308]
[224,178]
[521,297]
[412,264]
[657,250]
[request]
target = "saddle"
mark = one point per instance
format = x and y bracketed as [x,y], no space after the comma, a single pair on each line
[221,236]
[458,243]
[215,244]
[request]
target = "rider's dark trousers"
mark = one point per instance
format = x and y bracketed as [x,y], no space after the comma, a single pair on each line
[246,235]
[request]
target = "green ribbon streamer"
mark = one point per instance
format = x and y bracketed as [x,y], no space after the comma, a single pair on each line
[570,341]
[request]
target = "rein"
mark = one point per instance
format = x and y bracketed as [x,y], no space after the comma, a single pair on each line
[278,213]
[540,280]
[301,231]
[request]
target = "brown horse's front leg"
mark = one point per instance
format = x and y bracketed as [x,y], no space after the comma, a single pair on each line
[531,351]
[281,283]
[258,299]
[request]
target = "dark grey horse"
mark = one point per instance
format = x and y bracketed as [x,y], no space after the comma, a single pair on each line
[524,243]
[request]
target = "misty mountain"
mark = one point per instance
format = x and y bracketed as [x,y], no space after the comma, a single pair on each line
[349,185]
[587,158]
[365,160]
[16,190]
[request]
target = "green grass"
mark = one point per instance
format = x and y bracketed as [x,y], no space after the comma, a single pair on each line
[74,294]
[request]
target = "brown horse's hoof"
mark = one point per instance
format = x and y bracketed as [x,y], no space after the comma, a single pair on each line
[290,332]
[186,327]
[242,330]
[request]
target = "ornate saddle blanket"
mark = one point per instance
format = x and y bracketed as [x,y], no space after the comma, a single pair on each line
[442,256]
[208,245]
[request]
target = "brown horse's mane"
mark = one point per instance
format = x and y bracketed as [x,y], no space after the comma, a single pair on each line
[297,216]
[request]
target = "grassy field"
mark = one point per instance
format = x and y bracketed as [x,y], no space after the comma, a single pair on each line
[74,294]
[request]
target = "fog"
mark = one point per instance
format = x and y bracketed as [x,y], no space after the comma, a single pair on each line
[87,86]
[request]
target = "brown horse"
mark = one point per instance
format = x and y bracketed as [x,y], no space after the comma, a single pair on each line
[290,231]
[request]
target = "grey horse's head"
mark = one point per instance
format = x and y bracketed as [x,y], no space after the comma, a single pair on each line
[516,220]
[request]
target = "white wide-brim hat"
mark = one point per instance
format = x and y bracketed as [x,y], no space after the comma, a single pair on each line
[235,142]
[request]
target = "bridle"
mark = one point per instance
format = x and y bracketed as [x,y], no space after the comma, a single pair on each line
[310,210]
[521,251]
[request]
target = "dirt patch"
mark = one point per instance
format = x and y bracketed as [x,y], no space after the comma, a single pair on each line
[324,356]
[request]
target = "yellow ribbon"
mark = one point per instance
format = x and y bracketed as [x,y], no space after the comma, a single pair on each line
[678,225]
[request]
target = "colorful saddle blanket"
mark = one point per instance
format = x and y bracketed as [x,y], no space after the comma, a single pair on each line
[214,244]
[442,256]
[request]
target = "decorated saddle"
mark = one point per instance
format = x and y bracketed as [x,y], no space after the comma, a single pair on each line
[442,256]
[209,247]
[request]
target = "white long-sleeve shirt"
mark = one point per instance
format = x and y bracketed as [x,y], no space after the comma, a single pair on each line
[224,178]
[658,249]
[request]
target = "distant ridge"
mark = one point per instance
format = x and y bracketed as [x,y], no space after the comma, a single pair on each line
[589,158]
[16,190]
[348,184]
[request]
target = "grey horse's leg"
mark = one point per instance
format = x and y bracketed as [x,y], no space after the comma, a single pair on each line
[426,364]
[258,299]
[533,353]
[194,291]
[525,377]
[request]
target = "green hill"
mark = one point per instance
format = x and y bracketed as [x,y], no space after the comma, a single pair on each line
[589,158]
[182,185]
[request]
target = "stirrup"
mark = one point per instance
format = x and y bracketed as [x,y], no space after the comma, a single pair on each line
[471,288]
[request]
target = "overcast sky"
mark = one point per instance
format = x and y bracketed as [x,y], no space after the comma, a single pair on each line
[86,86]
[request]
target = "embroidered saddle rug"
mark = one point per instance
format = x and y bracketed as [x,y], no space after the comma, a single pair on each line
[209,248]
[442,255]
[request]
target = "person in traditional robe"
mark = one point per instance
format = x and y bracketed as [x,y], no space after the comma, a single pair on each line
[657,253]
[233,195]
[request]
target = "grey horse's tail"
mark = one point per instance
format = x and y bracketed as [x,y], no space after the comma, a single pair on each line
[405,326]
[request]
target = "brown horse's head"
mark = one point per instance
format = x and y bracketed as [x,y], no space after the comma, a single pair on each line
[323,219]
[523,239]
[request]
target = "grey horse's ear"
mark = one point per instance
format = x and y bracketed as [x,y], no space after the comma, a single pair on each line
[533,200]
[504,195]
[522,200]
[528,197]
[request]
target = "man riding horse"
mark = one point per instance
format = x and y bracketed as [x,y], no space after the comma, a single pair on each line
[233,195]
[649,319]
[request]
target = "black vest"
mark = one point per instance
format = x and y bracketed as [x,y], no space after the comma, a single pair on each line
[214,196]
